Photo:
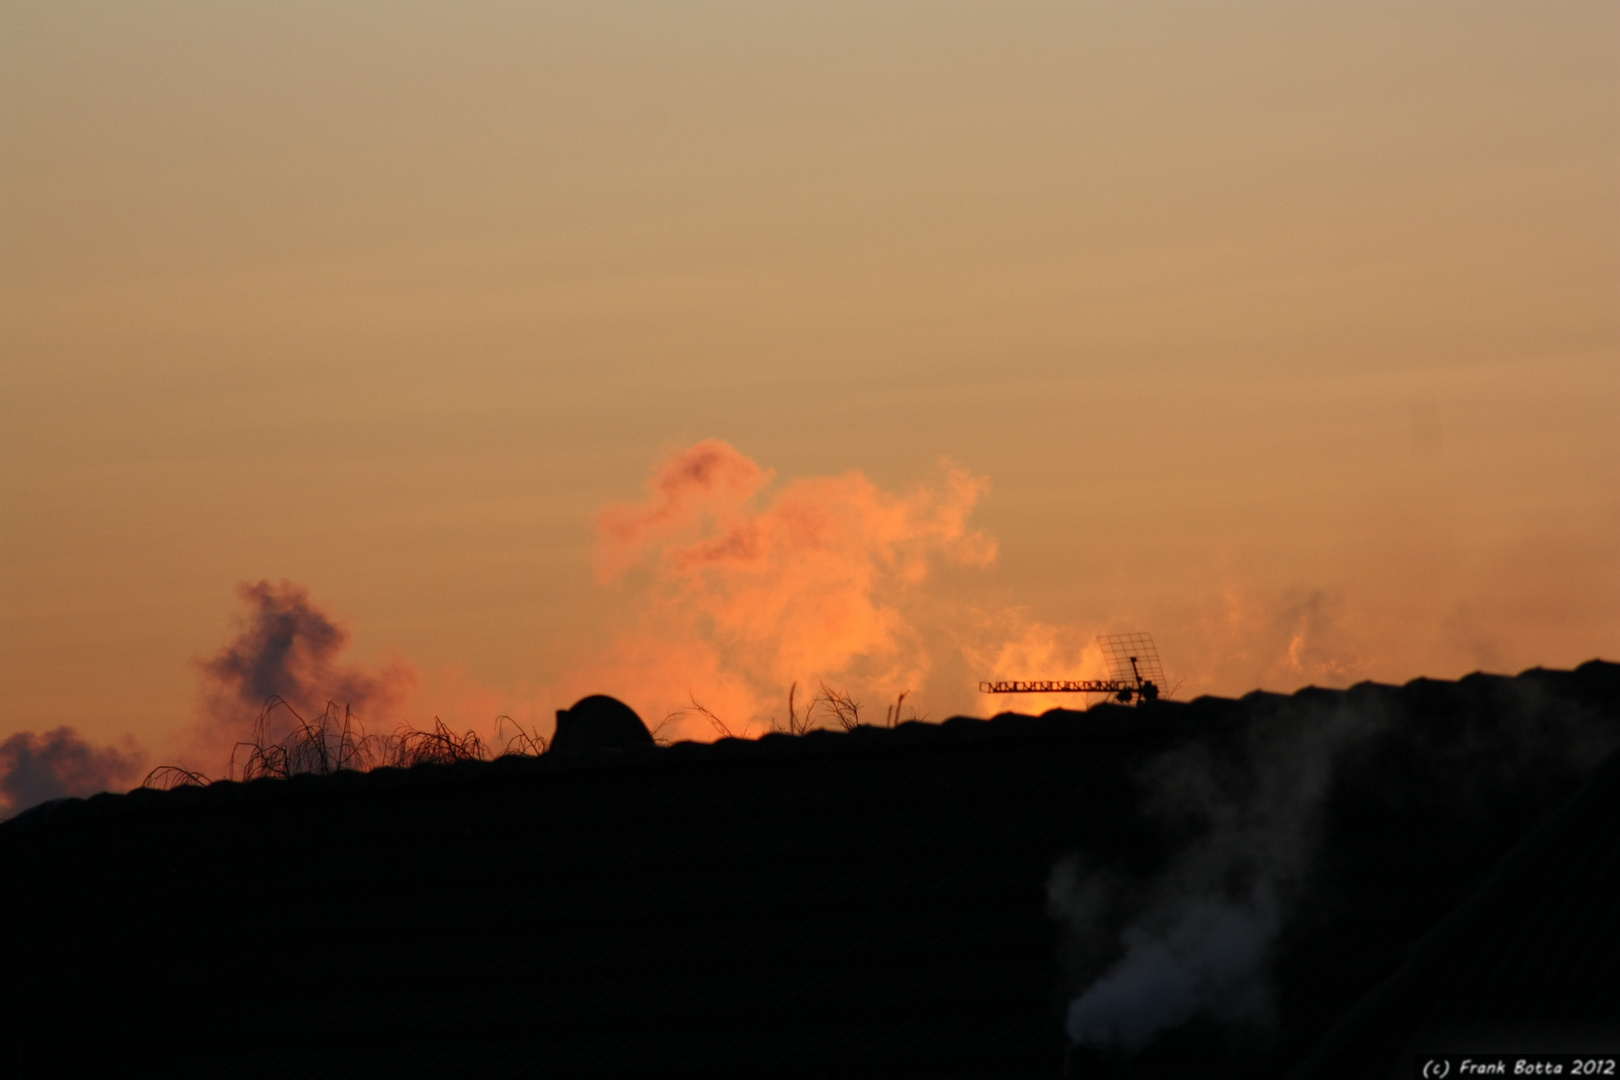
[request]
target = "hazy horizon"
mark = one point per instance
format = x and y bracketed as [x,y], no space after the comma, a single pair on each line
[1289,336]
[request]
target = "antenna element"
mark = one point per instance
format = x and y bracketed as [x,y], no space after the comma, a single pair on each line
[1135,673]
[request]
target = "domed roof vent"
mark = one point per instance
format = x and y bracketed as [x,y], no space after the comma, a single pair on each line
[599,722]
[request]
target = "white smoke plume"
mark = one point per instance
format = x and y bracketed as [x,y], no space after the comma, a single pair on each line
[1198,937]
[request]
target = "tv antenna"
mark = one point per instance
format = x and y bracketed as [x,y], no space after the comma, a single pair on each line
[1134,673]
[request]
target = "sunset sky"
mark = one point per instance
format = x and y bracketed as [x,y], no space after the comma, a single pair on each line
[1288,333]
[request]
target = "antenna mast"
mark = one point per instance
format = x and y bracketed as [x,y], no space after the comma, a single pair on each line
[1135,673]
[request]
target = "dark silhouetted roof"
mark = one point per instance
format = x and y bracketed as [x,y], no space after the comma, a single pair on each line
[1530,961]
[870,903]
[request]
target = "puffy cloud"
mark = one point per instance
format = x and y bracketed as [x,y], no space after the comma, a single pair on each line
[743,591]
[289,648]
[59,763]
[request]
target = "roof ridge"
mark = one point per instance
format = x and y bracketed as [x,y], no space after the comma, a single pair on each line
[1103,718]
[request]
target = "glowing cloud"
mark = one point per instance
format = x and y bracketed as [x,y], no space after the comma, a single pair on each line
[744,592]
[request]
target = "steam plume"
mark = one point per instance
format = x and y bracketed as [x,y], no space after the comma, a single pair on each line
[1200,934]
[1197,937]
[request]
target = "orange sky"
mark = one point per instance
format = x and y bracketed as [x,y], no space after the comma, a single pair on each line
[1291,336]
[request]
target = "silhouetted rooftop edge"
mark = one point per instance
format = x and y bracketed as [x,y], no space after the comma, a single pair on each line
[1100,721]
